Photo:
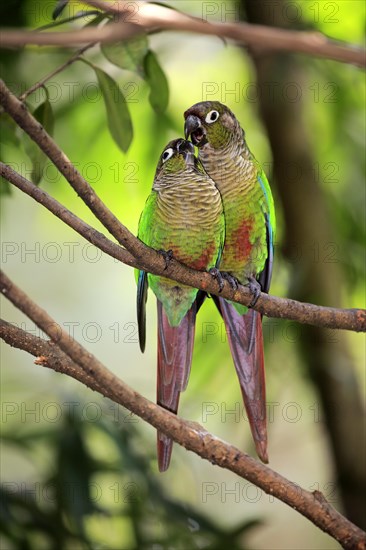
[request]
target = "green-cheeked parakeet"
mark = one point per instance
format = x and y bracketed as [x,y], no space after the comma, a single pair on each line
[248,251]
[184,215]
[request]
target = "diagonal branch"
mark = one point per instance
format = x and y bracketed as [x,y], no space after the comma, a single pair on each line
[48,354]
[272,306]
[77,362]
[142,256]
[92,235]
[148,16]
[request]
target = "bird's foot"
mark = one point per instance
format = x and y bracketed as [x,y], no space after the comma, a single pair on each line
[256,290]
[215,273]
[233,281]
[167,255]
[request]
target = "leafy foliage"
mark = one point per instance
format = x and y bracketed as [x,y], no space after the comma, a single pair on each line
[60,6]
[133,55]
[70,495]
[80,15]
[8,136]
[118,114]
[128,55]
[44,114]
[159,90]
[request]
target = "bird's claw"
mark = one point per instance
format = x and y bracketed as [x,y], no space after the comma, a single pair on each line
[256,290]
[215,273]
[167,255]
[233,281]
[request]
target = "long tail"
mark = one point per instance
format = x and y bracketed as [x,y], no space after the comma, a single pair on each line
[246,343]
[175,349]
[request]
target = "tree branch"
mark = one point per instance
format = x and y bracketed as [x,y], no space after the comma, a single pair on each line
[149,16]
[75,361]
[114,32]
[349,319]
[145,257]
[47,354]
[82,228]
[65,355]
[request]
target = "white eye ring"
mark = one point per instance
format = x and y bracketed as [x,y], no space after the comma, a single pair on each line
[168,153]
[212,116]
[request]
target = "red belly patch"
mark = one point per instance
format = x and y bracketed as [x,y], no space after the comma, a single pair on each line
[205,259]
[240,244]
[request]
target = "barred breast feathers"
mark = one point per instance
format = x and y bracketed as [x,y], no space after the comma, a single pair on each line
[193,200]
[233,169]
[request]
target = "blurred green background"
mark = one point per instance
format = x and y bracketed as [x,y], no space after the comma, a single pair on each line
[80,472]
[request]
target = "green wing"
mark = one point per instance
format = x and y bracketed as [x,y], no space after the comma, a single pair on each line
[144,235]
[270,221]
[142,286]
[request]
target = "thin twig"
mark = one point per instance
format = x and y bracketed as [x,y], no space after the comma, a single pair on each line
[190,435]
[151,16]
[58,70]
[145,257]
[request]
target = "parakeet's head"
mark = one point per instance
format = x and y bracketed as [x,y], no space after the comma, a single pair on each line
[177,156]
[211,122]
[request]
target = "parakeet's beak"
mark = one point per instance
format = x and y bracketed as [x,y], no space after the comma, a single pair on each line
[186,149]
[194,129]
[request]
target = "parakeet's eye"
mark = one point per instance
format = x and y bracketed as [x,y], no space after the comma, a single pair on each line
[212,116]
[168,153]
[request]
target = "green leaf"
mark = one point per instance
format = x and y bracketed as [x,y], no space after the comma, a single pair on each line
[60,6]
[79,15]
[159,89]
[8,132]
[8,136]
[44,115]
[118,114]
[128,55]
[5,187]
[75,469]
[99,17]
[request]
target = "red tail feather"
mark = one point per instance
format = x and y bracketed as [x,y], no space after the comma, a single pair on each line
[175,349]
[246,344]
